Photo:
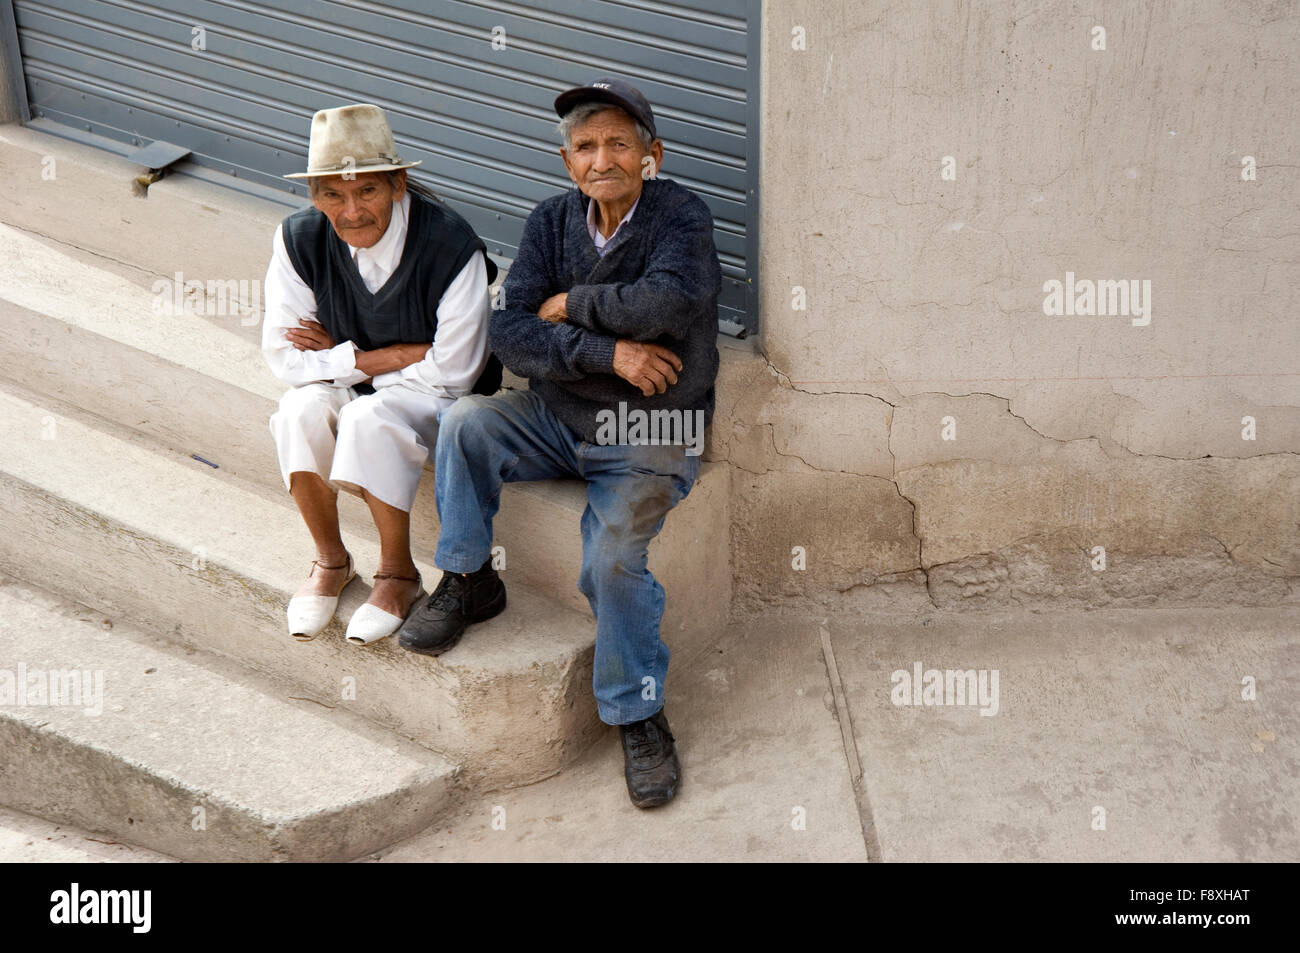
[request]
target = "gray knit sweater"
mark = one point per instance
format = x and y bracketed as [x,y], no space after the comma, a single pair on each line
[658,281]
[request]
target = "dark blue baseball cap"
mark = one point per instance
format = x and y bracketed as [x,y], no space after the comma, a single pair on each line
[612,91]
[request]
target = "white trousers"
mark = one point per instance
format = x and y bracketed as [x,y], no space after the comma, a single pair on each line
[379,442]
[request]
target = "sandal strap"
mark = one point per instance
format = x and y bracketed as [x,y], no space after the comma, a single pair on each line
[317,562]
[389,575]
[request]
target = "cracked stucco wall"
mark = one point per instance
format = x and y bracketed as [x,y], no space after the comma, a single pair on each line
[924,301]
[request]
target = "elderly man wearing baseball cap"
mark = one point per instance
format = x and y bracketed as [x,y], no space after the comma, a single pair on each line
[377,316]
[609,309]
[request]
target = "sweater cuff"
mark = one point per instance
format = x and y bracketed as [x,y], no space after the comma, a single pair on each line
[577,305]
[596,353]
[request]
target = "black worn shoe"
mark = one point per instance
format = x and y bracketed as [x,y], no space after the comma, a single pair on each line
[650,761]
[458,601]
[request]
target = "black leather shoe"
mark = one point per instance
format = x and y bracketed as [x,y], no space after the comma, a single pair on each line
[650,761]
[458,601]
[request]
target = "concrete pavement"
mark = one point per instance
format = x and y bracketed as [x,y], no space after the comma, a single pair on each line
[1137,712]
[764,775]
[1134,718]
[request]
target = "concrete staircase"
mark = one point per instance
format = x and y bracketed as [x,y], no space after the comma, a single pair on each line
[178,753]
[104,403]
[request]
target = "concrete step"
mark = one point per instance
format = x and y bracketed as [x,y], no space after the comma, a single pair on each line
[107,730]
[160,539]
[74,328]
[27,839]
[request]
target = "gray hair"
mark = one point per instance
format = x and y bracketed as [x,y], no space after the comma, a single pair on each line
[580,113]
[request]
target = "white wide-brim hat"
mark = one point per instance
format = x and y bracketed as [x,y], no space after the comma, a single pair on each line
[352,138]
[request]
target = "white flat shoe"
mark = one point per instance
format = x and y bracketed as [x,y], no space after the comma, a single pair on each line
[307,616]
[371,623]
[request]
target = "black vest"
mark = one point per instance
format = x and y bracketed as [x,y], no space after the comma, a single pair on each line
[439,243]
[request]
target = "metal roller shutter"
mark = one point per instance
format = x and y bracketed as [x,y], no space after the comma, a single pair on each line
[481,118]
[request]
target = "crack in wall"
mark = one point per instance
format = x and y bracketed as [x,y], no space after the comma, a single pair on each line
[893,476]
[1103,444]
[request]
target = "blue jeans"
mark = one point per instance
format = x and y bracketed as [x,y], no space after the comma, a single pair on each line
[484,442]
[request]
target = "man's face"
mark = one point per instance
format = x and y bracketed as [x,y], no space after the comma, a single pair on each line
[361,207]
[606,158]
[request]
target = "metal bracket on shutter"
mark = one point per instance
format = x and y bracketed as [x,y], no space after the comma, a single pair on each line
[732,329]
[155,157]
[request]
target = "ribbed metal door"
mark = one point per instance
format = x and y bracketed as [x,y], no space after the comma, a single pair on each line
[468,88]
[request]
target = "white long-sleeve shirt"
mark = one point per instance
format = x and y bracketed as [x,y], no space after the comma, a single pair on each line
[459,350]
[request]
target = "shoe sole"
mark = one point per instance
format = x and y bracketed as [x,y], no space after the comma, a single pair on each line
[494,608]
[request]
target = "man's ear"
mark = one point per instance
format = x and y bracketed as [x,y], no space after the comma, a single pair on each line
[564,154]
[657,152]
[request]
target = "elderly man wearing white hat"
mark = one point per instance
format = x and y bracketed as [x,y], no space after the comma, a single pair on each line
[377,316]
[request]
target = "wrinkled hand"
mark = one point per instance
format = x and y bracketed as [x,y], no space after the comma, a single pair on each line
[552,308]
[649,367]
[311,336]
